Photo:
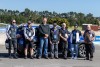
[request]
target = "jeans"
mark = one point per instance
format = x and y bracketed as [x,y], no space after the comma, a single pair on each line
[74,50]
[54,50]
[43,43]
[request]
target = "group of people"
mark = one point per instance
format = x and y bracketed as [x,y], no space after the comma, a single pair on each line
[54,36]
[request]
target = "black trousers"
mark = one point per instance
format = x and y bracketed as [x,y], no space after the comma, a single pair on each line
[89,50]
[14,43]
[64,49]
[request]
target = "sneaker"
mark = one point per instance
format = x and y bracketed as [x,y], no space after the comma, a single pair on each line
[75,58]
[72,57]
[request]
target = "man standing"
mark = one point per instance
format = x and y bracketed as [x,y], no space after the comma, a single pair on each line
[11,35]
[54,41]
[44,32]
[64,42]
[29,34]
[89,36]
[75,37]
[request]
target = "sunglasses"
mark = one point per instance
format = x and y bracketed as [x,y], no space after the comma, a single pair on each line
[14,22]
[29,23]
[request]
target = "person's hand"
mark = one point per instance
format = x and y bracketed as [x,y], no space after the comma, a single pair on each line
[60,35]
[65,39]
[29,39]
[50,42]
[9,38]
[18,36]
[92,39]
[58,42]
[46,36]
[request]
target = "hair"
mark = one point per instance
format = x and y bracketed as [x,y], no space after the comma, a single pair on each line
[54,22]
[63,23]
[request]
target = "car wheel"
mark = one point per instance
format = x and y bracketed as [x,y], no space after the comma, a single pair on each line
[82,51]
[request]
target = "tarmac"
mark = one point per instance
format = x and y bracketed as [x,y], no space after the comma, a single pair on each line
[21,62]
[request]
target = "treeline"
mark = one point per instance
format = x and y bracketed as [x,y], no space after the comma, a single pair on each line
[70,18]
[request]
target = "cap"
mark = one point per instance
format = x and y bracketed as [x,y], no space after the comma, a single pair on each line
[76,25]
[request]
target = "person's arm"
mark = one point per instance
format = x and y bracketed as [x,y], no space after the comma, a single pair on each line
[65,39]
[33,34]
[7,30]
[59,36]
[48,30]
[50,37]
[84,34]
[41,31]
[93,34]
[26,36]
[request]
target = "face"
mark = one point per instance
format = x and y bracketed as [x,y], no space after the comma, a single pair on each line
[44,20]
[13,21]
[64,25]
[88,27]
[75,27]
[29,23]
[54,25]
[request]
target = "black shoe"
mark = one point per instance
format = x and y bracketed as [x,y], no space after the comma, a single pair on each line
[52,57]
[39,57]
[87,59]
[46,57]
[31,57]
[15,56]
[10,57]
[25,57]
[65,57]
[91,59]
[56,58]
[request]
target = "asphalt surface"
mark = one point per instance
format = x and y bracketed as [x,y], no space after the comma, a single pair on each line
[21,62]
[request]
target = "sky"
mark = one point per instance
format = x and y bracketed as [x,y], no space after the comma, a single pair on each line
[59,6]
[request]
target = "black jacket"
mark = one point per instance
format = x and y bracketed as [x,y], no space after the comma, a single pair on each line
[44,29]
[54,35]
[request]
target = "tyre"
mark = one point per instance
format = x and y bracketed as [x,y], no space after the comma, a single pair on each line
[82,51]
